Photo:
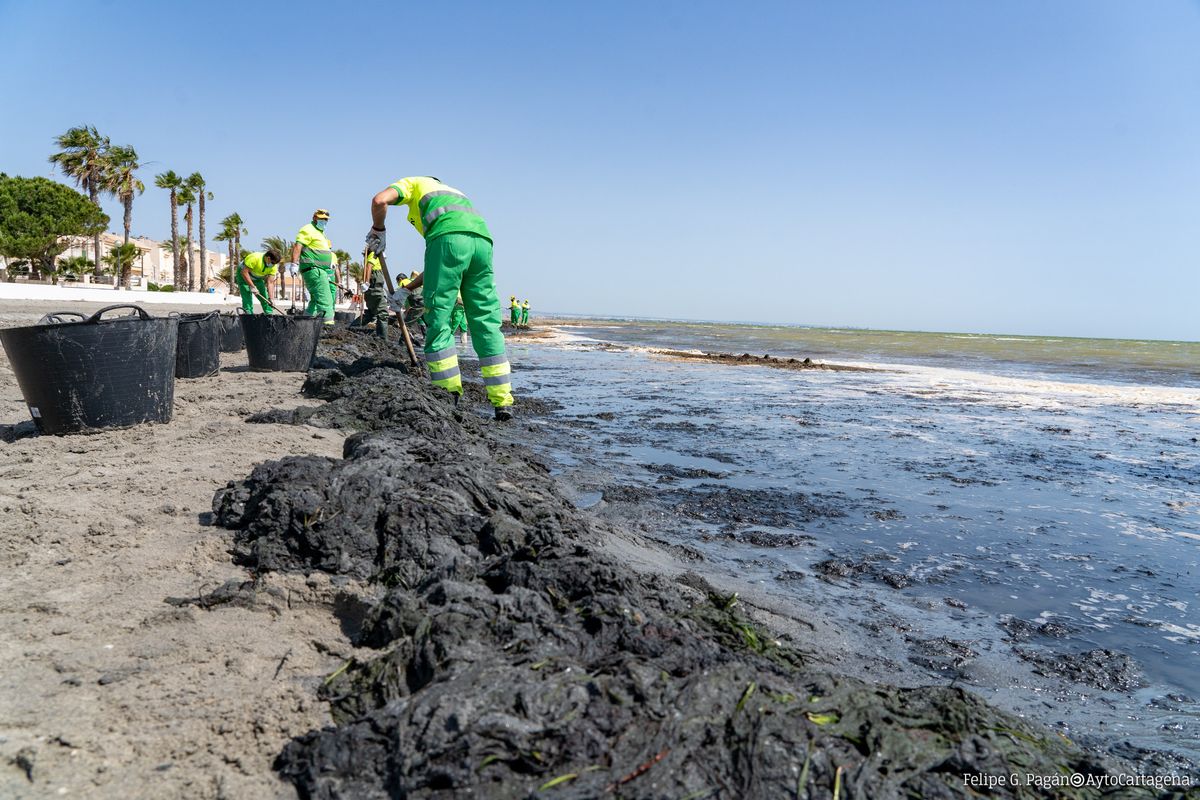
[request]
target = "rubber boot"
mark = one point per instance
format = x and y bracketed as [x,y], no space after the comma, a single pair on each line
[381,328]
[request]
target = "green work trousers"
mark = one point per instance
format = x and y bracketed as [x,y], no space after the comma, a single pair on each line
[318,281]
[514,313]
[375,300]
[248,295]
[524,316]
[462,262]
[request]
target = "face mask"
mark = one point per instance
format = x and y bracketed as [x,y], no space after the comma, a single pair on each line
[319,225]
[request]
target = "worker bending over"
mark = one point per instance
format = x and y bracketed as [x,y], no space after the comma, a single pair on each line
[258,271]
[458,258]
[375,297]
[313,255]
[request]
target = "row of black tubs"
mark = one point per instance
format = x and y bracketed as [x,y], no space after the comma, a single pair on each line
[82,373]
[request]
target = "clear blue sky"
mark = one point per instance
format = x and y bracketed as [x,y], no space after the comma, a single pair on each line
[1022,166]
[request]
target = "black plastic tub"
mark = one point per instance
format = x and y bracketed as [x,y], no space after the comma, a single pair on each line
[232,340]
[198,353]
[81,374]
[280,342]
[344,316]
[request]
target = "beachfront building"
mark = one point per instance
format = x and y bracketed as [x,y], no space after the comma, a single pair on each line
[155,262]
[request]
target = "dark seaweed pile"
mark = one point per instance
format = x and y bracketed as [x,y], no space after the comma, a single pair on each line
[515,657]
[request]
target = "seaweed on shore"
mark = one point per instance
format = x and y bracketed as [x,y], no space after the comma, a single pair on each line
[515,657]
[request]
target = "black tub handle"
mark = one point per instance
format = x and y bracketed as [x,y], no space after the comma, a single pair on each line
[94,318]
[56,317]
[196,316]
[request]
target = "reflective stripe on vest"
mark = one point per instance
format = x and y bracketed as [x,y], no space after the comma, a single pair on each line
[425,198]
[437,212]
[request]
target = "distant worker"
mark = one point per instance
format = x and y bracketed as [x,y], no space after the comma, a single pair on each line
[514,310]
[375,296]
[525,314]
[335,277]
[414,299]
[313,255]
[458,258]
[258,271]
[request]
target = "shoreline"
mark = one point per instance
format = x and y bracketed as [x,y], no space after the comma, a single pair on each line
[1120,362]
[765,360]
[435,586]
[630,454]
[343,607]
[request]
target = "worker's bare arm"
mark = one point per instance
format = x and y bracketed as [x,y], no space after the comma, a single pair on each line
[379,206]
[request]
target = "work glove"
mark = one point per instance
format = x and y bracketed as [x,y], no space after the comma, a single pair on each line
[290,268]
[376,241]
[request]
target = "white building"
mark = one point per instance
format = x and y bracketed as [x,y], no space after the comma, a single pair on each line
[155,262]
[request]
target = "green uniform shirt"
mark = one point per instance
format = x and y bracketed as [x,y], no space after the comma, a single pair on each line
[436,209]
[256,263]
[315,249]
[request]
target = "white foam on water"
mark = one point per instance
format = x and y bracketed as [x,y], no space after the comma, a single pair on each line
[1181,632]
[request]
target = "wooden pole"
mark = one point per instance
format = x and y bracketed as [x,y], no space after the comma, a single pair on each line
[387,277]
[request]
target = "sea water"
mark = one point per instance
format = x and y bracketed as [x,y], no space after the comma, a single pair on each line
[1044,479]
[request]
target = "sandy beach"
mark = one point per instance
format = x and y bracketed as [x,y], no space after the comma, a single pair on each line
[108,690]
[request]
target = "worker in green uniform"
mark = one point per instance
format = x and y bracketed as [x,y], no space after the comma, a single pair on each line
[258,270]
[525,314]
[414,302]
[375,297]
[458,258]
[313,255]
[514,310]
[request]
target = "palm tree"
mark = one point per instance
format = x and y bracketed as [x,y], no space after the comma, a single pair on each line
[360,274]
[121,181]
[195,182]
[238,226]
[343,260]
[187,199]
[84,157]
[120,261]
[226,235]
[169,180]
[351,271]
[232,231]
[75,264]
